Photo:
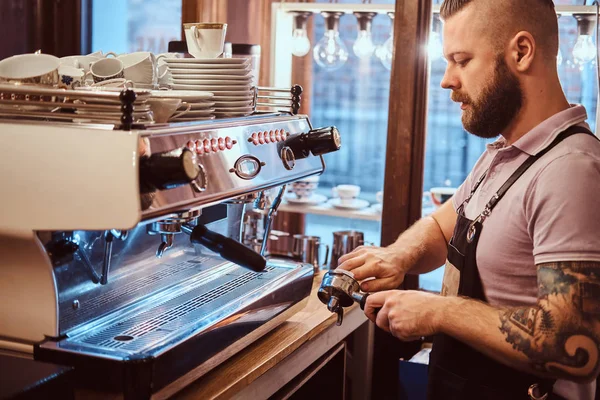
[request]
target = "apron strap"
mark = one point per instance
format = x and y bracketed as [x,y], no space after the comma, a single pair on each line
[573,130]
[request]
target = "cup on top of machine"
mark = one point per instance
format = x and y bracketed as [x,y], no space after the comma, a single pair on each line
[205,40]
[30,69]
[105,69]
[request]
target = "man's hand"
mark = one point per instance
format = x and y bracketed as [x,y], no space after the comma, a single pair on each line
[382,263]
[406,314]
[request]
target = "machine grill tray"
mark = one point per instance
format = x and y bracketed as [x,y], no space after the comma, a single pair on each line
[125,293]
[144,330]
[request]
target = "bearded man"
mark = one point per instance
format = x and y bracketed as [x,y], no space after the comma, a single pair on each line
[519,312]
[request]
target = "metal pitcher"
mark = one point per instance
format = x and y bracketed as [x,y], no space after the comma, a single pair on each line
[306,249]
[343,243]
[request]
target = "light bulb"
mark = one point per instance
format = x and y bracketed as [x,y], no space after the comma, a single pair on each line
[584,50]
[363,46]
[435,49]
[330,53]
[300,43]
[385,52]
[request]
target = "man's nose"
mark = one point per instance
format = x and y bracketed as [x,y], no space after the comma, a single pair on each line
[450,81]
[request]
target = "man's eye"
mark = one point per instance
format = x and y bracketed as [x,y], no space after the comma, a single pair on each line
[462,63]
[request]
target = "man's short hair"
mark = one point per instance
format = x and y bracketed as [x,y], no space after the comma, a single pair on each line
[504,18]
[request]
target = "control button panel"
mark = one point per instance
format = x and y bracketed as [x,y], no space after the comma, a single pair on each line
[266,137]
[209,146]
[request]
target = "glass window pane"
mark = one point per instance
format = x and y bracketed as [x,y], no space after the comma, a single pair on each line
[126,26]
[451,152]
[355,99]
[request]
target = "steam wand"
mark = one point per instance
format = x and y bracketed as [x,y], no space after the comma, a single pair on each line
[269,219]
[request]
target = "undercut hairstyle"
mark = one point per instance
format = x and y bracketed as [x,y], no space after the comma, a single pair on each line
[505,18]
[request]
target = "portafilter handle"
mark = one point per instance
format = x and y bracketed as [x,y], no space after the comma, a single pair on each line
[226,247]
[339,289]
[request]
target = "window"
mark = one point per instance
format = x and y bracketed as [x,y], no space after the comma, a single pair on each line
[127,26]
[355,99]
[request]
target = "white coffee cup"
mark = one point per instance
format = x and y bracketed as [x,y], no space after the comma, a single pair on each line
[379,197]
[205,40]
[70,77]
[164,109]
[160,59]
[83,62]
[105,69]
[346,193]
[139,67]
[114,83]
[100,54]
[305,187]
[40,69]
[439,195]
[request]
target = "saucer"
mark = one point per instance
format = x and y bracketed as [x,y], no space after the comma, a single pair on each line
[312,200]
[355,204]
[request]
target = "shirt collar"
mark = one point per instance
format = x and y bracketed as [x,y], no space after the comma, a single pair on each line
[544,133]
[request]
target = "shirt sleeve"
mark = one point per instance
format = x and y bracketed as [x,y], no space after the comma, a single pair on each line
[563,210]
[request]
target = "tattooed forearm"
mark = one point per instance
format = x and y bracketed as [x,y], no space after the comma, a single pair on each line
[561,334]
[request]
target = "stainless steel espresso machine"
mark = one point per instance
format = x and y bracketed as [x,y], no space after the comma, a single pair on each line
[121,247]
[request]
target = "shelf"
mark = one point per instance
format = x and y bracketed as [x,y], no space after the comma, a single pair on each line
[317,8]
[327,209]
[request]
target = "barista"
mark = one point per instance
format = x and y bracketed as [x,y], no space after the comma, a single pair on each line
[519,312]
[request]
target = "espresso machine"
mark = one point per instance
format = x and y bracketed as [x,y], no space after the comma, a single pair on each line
[123,246]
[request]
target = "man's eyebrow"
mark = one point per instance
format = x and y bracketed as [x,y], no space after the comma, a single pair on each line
[451,55]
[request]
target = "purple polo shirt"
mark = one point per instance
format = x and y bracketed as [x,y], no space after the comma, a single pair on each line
[551,213]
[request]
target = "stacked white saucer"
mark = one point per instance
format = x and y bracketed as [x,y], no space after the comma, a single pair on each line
[229,79]
[200,104]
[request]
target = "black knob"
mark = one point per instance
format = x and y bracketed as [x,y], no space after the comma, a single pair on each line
[324,140]
[317,141]
[228,248]
[168,170]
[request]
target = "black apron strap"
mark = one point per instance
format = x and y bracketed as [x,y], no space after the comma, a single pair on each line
[573,130]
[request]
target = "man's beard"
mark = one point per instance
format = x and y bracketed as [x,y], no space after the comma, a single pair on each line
[497,106]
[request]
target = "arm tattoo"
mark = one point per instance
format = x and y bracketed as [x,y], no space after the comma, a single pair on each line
[561,334]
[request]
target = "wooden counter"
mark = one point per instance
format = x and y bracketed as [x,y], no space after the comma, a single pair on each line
[269,363]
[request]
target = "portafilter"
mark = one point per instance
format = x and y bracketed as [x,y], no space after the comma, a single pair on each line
[339,289]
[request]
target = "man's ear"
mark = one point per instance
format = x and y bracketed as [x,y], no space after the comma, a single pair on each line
[521,50]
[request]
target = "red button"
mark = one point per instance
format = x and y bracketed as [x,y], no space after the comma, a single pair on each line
[272,134]
[221,143]
[261,137]
[214,145]
[267,137]
[228,142]
[199,147]
[191,145]
[206,146]
[278,135]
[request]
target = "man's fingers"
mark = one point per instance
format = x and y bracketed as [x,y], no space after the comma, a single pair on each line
[354,253]
[373,306]
[377,285]
[352,263]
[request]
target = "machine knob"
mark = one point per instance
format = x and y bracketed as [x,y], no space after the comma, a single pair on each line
[317,141]
[168,170]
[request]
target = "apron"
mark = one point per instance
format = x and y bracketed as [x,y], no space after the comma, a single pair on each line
[457,371]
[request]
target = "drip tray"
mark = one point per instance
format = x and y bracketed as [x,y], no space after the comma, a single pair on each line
[180,332]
